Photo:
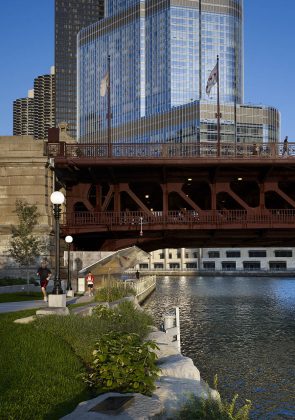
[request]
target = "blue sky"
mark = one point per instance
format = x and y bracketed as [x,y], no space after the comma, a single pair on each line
[27,51]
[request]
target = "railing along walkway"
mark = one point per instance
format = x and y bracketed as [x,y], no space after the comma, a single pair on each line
[170,150]
[192,218]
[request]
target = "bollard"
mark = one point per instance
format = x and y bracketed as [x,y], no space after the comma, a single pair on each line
[171,326]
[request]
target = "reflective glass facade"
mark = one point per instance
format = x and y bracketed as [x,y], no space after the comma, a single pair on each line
[161,54]
[70,17]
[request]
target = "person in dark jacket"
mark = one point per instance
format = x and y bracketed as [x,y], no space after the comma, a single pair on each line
[44,275]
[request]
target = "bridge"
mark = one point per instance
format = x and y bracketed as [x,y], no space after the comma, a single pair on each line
[176,194]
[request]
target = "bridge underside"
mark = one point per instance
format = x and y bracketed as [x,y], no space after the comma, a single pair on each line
[112,203]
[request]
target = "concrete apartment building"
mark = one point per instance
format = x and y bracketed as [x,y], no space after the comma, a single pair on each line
[44,104]
[35,114]
[23,115]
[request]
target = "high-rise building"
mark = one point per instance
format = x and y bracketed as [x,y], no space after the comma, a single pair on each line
[161,55]
[44,104]
[36,113]
[23,115]
[70,17]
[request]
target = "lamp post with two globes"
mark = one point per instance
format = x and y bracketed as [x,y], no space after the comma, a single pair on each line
[57,198]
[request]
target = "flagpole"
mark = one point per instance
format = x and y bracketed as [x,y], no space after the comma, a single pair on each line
[109,106]
[218,110]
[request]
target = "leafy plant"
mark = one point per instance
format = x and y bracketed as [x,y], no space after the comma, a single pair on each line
[213,409]
[110,294]
[24,245]
[122,363]
[125,318]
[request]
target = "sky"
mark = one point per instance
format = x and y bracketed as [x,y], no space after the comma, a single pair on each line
[27,51]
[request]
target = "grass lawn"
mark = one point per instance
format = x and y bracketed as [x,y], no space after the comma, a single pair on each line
[20,296]
[38,372]
[41,363]
[10,281]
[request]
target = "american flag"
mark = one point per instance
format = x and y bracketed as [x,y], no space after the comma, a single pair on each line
[212,79]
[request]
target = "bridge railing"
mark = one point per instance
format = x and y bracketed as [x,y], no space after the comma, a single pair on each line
[133,220]
[169,150]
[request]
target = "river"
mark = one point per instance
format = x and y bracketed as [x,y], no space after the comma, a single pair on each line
[243,330]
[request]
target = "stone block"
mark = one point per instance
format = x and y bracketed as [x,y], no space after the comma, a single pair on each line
[178,366]
[141,408]
[174,392]
[25,320]
[52,311]
[57,301]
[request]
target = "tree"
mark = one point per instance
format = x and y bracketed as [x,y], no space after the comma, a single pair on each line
[25,246]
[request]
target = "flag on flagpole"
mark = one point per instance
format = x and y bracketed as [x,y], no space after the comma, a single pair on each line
[212,79]
[104,84]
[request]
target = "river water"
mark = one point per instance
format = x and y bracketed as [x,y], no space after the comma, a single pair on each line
[243,330]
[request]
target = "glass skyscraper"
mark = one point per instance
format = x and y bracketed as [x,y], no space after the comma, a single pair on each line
[161,54]
[70,17]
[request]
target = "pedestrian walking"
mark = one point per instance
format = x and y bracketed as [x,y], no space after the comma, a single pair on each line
[285,147]
[137,275]
[44,275]
[90,282]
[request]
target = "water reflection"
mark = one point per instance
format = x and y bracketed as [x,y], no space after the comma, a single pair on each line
[241,328]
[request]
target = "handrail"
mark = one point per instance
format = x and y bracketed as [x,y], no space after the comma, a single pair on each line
[134,219]
[156,151]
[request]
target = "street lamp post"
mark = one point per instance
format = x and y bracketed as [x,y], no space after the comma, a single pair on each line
[57,198]
[69,240]
[140,221]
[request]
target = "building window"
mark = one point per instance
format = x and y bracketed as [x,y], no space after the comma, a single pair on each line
[159,266]
[162,256]
[277,265]
[209,265]
[174,265]
[191,265]
[143,266]
[283,253]
[228,265]
[233,254]
[214,254]
[178,254]
[170,255]
[257,254]
[251,265]
[195,254]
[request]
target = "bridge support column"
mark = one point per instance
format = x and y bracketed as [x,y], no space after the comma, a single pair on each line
[117,201]
[165,198]
[213,196]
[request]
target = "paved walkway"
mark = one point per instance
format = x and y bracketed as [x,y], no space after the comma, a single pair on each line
[28,304]
[20,306]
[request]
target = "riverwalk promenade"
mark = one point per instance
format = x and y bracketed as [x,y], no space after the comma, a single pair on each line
[22,306]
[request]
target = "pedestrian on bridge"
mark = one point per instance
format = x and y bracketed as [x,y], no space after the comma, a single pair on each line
[285,147]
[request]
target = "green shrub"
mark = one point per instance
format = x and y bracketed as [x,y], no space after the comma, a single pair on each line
[213,409]
[81,333]
[122,363]
[110,294]
[124,318]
